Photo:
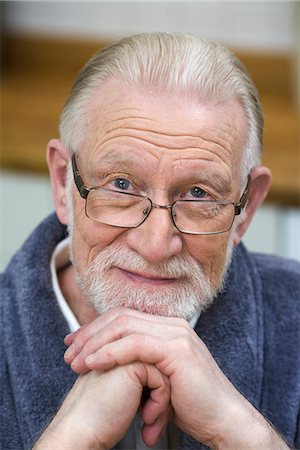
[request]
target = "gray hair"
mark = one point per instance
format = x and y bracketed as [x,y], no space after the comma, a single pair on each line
[175,63]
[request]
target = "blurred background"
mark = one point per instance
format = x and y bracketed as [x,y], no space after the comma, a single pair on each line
[43,45]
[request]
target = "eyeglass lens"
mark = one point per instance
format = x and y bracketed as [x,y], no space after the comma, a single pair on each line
[127,210]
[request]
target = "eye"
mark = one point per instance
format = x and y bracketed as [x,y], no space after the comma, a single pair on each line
[197,192]
[121,184]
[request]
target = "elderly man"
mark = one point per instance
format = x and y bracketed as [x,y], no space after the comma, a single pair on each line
[180,338]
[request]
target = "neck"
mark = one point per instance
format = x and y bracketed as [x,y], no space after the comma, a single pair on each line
[80,306]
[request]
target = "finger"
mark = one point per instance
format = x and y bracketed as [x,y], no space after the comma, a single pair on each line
[83,334]
[151,434]
[146,349]
[69,338]
[158,402]
[73,341]
[151,412]
[121,316]
[120,327]
[124,325]
[157,410]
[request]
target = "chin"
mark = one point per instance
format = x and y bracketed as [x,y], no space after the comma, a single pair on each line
[166,302]
[155,310]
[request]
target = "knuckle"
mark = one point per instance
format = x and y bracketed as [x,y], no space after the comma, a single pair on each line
[122,320]
[184,344]
[137,341]
[109,352]
[89,348]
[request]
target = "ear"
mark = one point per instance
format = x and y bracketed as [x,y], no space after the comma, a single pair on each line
[261,179]
[58,158]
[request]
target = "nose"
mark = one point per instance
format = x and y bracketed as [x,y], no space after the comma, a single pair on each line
[157,239]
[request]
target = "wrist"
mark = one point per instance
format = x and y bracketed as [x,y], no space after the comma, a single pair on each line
[247,429]
[67,435]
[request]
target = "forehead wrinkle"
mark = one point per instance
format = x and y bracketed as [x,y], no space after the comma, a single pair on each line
[108,126]
[197,143]
[222,131]
[116,155]
[223,134]
[212,164]
[205,156]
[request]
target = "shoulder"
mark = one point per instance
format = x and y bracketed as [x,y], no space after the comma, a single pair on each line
[275,279]
[5,293]
[278,275]
[279,282]
[38,246]
[29,268]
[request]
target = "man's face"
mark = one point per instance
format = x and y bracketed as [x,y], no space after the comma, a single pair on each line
[153,144]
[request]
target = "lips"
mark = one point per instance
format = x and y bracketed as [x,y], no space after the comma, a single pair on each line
[141,277]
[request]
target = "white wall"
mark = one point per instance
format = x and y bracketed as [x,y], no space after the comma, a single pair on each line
[275,229]
[247,24]
[25,199]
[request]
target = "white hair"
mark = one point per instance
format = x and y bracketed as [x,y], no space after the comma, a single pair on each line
[176,63]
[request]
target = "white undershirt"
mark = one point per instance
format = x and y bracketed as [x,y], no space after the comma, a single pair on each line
[60,258]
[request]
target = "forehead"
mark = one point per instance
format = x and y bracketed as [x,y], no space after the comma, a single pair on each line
[163,125]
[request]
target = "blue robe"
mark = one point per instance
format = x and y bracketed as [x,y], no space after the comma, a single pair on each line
[252,330]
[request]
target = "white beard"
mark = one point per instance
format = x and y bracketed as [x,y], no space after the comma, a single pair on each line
[189,296]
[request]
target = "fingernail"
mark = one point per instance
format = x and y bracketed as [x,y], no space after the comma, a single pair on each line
[91,358]
[69,353]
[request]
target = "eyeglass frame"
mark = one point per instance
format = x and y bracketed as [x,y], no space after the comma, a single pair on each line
[85,190]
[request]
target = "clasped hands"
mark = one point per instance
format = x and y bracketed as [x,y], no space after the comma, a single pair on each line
[123,351]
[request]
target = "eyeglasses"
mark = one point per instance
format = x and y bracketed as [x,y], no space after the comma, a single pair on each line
[126,210]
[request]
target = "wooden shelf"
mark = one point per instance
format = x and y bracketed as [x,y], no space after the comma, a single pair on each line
[37,74]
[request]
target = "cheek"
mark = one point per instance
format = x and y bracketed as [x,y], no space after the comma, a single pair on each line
[89,238]
[210,252]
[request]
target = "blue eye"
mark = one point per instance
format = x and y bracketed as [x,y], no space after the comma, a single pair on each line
[198,192]
[121,184]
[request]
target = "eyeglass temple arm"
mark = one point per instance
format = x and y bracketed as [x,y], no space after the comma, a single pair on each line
[240,206]
[83,191]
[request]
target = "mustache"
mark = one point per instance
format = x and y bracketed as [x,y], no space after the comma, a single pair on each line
[192,293]
[177,267]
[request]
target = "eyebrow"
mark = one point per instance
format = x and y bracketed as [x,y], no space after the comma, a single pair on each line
[120,161]
[106,167]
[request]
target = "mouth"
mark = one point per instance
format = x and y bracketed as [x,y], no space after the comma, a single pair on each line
[146,278]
